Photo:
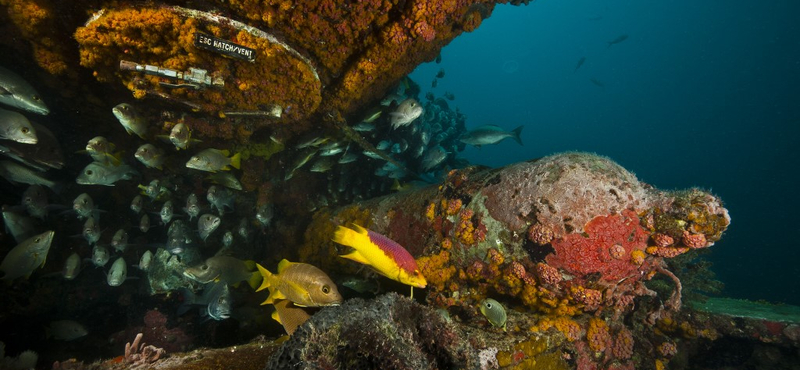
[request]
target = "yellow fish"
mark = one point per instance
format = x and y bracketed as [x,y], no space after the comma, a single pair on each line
[301,283]
[382,254]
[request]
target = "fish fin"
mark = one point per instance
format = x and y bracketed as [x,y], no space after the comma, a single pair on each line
[274,294]
[4,91]
[360,229]
[267,277]
[515,134]
[225,152]
[255,279]
[284,264]
[236,285]
[355,256]
[275,316]
[236,161]
[250,264]
[348,237]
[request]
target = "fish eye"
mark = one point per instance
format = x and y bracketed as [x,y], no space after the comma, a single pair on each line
[89,172]
[36,97]
[204,267]
[37,240]
[24,130]
[326,289]
[488,305]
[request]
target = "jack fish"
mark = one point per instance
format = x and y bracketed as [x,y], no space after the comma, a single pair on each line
[18,93]
[26,256]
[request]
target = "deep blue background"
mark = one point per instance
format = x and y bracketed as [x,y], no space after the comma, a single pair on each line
[702,93]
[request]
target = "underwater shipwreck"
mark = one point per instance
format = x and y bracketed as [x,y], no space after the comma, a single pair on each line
[188,176]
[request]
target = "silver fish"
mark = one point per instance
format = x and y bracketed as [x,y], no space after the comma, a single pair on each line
[144,223]
[154,189]
[207,224]
[144,262]
[490,134]
[300,161]
[322,165]
[18,93]
[131,119]
[180,136]
[331,148]
[34,199]
[150,156]
[136,204]
[225,179]
[101,150]
[219,302]
[406,112]
[100,255]
[348,158]
[264,214]
[225,269]
[213,160]
[244,228]
[46,153]
[16,173]
[98,174]
[364,127]
[216,297]
[26,256]
[120,240]
[372,154]
[383,145]
[72,266]
[118,272]
[179,237]
[220,198]
[192,206]
[166,212]
[227,239]
[20,226]
[313,142]
[91,231]
[83,205]
[433,157]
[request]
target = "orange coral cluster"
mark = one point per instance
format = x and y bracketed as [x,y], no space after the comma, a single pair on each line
[436,269]
[570,328]
[598,334]
[164,38]
[36,21]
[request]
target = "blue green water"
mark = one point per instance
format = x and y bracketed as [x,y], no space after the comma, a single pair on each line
[700,94]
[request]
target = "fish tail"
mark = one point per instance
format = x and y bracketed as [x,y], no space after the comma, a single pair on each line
[267,277]
[236,160]
[515,134]
[348,237]
[255,280]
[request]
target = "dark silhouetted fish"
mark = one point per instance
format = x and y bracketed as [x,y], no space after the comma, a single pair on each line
[617,40]
[580,63]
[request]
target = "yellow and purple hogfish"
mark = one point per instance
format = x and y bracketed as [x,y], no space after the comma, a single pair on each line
[384,255]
